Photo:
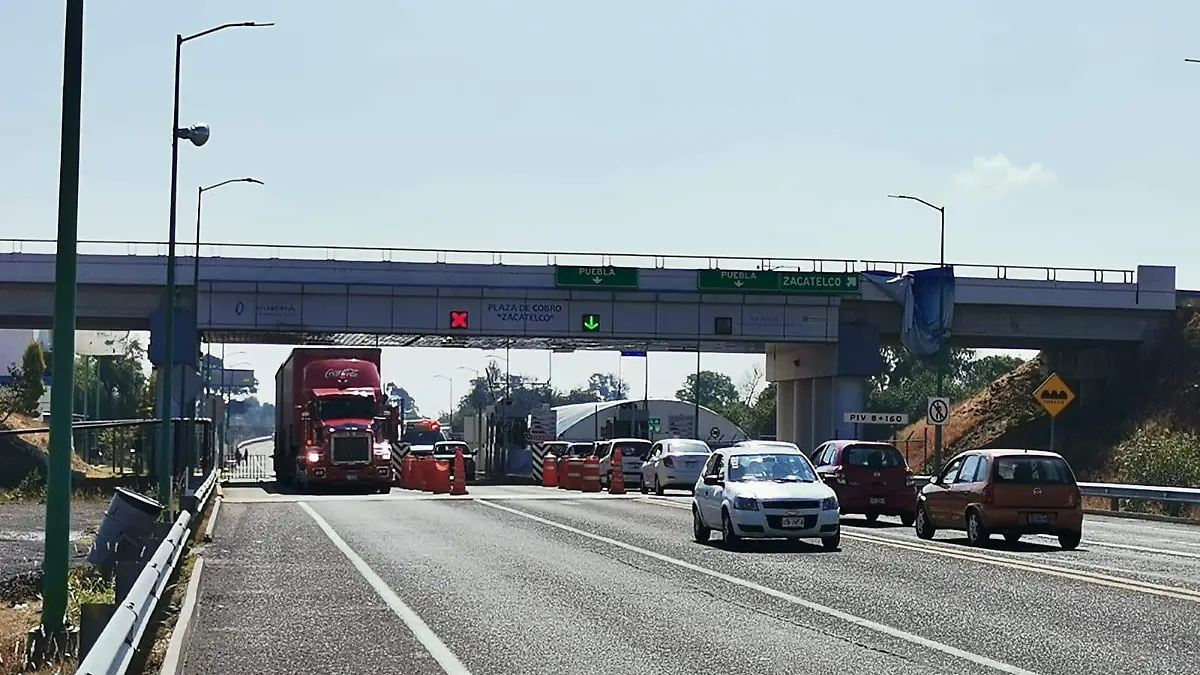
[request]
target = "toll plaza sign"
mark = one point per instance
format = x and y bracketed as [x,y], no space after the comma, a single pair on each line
[771,281]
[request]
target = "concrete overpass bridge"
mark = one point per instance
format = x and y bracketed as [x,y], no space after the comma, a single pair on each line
[819,322]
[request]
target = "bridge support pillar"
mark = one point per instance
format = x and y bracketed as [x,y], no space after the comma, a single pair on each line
[816,385]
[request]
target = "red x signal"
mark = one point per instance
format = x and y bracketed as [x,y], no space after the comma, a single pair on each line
[458,320]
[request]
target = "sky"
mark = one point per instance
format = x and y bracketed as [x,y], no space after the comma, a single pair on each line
[1055,134]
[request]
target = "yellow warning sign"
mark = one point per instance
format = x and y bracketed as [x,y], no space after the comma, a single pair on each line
[1054,395]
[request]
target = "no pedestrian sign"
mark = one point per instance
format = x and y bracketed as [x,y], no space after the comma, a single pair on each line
[876,418]
[937,412]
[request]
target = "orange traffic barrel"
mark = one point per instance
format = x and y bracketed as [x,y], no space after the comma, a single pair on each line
[591,475]
[440,474]
[425,471]
[549,471]
[574,473]
[616,480]
[564,481]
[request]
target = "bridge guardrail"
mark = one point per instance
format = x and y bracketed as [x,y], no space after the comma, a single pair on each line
[118,642]
[510,257]
[1146,493]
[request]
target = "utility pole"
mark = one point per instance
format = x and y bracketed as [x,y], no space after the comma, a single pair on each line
[57,545]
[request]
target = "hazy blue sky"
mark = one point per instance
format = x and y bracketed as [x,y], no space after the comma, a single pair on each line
[1056,133]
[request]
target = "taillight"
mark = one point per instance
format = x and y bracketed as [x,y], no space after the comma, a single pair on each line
[988,494]
[668,462]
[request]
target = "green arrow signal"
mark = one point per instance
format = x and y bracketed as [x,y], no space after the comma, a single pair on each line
[591,322]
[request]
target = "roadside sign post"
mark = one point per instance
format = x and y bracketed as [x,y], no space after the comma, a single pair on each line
[1055,396]
[937,411]
[857,418]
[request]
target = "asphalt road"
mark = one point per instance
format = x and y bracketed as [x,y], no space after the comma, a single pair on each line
[23,532]
[527,580]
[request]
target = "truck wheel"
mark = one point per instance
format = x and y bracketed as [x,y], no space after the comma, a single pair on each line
[386,489]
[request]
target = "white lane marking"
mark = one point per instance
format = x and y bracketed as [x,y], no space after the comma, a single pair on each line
[432,643]
[787,597]
[1140,549]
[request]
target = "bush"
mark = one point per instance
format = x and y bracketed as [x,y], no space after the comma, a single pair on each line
[1158,454]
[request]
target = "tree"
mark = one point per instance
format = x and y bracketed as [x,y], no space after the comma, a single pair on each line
[717,391]
[28,386]
[115,387]
[760,417]
[608,387]
[398,396]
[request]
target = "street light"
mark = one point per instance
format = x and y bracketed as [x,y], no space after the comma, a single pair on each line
[450,410]
[198,135]
[941,361]
[196,269]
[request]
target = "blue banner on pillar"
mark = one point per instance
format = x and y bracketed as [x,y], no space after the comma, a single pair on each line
[187,340]
[918,292]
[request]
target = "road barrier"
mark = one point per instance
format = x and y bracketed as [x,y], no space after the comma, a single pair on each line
[616,479]
[114,649]
[591,475]
[550,471]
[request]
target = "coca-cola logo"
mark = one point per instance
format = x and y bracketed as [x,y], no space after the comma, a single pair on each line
[341,374]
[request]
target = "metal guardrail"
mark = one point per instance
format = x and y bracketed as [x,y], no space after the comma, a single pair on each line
[1145,493]
[115,647]
[510,257]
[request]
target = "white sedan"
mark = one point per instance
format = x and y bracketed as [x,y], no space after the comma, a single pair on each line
[760,490]
[674,463]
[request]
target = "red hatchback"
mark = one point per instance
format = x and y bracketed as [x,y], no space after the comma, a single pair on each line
[868,477]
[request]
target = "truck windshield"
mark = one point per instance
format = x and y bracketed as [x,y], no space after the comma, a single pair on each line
[350,407]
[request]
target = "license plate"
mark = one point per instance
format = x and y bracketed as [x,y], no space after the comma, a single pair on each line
[792,522]
[878,500]
[351,476]
[1038,518]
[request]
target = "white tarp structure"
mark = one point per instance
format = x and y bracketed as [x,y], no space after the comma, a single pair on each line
[583,421]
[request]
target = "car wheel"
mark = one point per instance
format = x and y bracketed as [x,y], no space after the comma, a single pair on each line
[730,537]
[832,543]
[658,488]
[700,531]
[977,534]
[385,490]
[642,487]
[1012,537]
[1069,541]
[924,526]
[872,518]
[907,519]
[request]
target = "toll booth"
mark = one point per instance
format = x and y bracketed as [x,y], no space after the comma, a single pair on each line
[631,420]
[505,448]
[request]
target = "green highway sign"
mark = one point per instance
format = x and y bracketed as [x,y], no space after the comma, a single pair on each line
[818,283]
[655,424]
[737,280]
[759,281]
[591,322]
[579,276]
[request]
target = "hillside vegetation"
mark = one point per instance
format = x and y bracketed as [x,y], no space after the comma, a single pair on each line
[1144,427]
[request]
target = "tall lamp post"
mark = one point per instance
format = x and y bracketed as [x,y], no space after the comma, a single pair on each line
[198,135]
[56,545]
[196,273]
[940,356]
[450,410]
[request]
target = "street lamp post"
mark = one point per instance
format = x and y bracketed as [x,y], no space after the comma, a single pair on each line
[198,135]
[449,410]
[196,273]
[56,544]
[940,356]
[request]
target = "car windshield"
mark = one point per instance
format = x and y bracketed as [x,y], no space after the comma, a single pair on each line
[450,448]
[638,449]
[770,466]
[1033,470]
[873,457]
[421,436]
[346,408]
[693,448]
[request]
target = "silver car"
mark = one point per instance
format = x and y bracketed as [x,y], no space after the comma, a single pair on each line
[674,463]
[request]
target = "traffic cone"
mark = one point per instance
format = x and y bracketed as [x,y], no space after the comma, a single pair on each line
[616,484]
[458,485]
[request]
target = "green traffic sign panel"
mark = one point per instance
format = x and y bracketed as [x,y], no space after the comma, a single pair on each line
[737,280]
[818,283]
[579,276]
[801,283]
[591,322]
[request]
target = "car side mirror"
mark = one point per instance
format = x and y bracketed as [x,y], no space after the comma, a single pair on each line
[713,479]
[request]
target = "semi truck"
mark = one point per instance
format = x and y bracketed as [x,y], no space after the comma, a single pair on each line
[333,423]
